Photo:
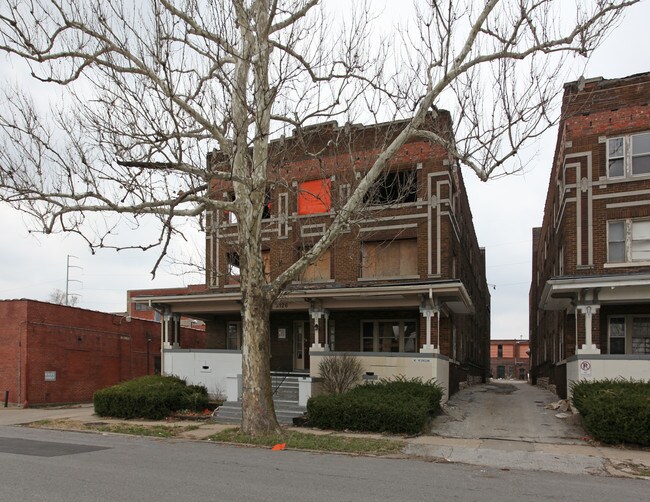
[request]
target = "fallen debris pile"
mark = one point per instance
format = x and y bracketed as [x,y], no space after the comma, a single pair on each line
[563,407]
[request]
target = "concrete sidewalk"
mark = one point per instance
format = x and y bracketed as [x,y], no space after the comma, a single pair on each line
[506,424]
[526,454]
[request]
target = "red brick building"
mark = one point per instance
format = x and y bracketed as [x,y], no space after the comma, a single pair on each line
[148,312]
[510,359]
[590,291]
[407,278]
[59,354]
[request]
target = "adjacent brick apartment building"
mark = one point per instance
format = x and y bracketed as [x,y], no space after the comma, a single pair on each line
[590,291]
[510,359]
[404,286]
[58,354]
[137,310]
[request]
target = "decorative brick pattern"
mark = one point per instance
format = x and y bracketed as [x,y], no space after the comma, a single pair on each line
[581,199]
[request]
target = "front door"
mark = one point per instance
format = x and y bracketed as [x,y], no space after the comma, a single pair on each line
[301,345]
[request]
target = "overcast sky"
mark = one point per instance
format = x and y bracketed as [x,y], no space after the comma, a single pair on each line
[505,211]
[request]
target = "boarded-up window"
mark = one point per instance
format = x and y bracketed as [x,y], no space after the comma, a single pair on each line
[266,259]
[320,270]
[389,259]
[314,197]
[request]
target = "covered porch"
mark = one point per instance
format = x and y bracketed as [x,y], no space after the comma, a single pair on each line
[393,329]
[612,325]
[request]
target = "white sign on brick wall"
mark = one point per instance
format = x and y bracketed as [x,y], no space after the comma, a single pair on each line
[50,376]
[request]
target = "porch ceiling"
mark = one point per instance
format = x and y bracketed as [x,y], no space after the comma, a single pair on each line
[561,292]
[451,294]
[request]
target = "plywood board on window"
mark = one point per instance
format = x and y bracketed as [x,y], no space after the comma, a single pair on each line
[320,270]
[389,259]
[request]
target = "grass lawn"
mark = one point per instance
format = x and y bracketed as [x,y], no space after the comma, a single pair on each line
[165,431]
[293,439]
[320,442]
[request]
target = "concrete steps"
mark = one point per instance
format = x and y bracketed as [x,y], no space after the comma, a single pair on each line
[285,399]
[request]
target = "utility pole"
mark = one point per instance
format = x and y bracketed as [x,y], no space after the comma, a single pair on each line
[67,276]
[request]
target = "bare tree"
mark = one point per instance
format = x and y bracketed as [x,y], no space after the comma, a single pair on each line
[59,296]
[154,85]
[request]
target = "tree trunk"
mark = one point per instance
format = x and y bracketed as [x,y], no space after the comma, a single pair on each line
[258,411]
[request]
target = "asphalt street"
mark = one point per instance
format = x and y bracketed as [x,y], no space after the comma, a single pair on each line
[92,467]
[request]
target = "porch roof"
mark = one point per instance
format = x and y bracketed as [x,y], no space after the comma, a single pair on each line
[449,294]
[560,293]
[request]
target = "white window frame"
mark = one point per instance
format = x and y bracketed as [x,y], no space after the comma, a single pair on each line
[609,333]
[627,157]
[628,328]
[625,254]
[375,334]
[628,229]
[608,157]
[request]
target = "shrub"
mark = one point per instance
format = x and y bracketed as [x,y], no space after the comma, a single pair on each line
[397,406]
[153,397]
[615,411]
[339,373]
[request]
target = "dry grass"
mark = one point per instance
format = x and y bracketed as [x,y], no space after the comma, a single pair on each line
[319,442]
[166,431]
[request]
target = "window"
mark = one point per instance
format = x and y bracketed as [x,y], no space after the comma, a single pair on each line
[640,245]
[320,270]
[641,154]
[266,210]
[616,241]
[641,335]
[232,271]
[314,197]
[266,260]
[233,336]
[628,240]
[389,336]
[629,334]
[389,258]
[142,306]
[628,156]
[229,216]
[499,350]
[396,187]
[615,158]
[617,335]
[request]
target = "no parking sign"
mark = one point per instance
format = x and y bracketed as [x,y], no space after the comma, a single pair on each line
[585,369]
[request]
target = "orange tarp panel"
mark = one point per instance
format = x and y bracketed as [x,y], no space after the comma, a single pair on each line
[314,197]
